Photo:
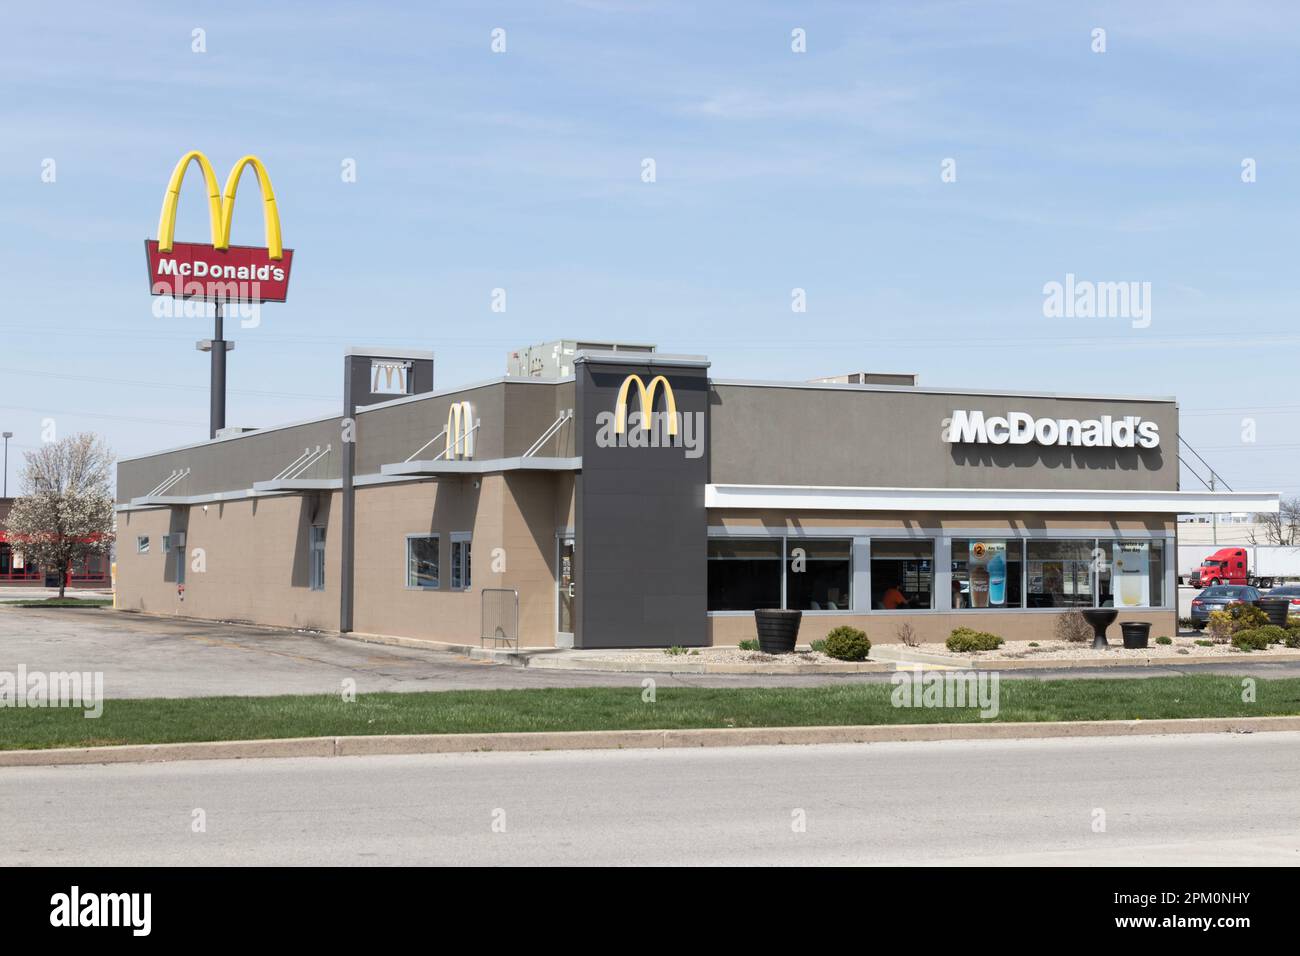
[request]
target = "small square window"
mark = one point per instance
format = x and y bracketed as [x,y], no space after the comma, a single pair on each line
[142,544]
[422,561]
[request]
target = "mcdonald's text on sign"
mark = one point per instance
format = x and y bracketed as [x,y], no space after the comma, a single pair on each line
[218,271]
[193,270]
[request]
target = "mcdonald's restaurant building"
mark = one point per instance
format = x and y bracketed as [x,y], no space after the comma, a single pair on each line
[620,497]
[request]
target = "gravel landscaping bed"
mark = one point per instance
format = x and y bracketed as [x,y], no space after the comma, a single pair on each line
[1065,650]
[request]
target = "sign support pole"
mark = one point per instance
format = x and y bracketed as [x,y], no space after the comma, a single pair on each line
[217,416]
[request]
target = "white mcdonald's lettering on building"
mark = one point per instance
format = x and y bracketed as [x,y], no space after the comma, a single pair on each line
[1021,428]
[460,431]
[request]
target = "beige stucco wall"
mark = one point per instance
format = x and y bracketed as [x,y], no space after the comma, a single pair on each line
[247,560]
[257,564]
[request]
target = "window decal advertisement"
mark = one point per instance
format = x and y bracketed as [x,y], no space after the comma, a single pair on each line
[988,573]
[1130,575]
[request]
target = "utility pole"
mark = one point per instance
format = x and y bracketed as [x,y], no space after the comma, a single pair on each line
[5,493]
[1214,515]
[218,346]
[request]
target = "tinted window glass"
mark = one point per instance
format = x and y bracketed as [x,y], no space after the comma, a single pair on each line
[744,573]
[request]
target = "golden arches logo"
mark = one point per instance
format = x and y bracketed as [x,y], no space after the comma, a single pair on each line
[646,393]
[460,430]
[221,207]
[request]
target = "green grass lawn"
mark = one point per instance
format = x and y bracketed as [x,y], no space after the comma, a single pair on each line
[60,602]
[610,708]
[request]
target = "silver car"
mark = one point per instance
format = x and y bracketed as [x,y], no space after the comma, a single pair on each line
[1218,598]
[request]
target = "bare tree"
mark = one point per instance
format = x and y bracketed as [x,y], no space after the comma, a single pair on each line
[66,508]
[1281,528]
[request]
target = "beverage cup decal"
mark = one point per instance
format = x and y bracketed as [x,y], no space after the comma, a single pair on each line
[997,574]
[979,586]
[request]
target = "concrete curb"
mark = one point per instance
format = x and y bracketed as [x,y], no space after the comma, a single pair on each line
[634,740]
[682,664]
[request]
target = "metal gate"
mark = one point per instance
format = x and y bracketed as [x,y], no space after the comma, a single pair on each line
[500,617]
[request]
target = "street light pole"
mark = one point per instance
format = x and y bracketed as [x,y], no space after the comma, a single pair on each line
[7,436]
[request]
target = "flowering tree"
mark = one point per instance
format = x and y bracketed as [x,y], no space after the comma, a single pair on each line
[66,508]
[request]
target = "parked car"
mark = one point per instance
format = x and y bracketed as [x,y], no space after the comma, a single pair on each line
[1219,598]
[1290,591]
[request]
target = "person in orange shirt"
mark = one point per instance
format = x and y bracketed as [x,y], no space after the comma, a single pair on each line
[894,599]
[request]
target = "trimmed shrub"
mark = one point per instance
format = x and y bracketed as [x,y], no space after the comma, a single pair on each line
[964,640]
[1205,643]
[1073,627]
[1247,617]
[1164,640]
[1250,640]
[1292,636]
[1276,635]
[1220,627]
[846,644]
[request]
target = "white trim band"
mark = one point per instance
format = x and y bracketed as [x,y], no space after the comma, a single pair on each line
[821,498]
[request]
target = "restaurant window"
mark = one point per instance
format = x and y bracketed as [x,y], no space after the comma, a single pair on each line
[1131,573]
[817,574]
[902,575]
[1060,573]
[986,572]
[460,561]
[316,547]
[744,573]
[422,561]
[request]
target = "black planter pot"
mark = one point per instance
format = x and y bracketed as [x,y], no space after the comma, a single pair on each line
[1276,608]
[1100,618]
[777,630]
[1136,633]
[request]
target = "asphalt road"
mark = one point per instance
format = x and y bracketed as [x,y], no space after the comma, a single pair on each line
[1212,800]
[144,656]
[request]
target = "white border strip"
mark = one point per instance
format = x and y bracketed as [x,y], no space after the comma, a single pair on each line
[461,467]
[935,390]
[821,498]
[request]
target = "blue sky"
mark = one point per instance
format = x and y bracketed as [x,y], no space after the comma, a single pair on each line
[775,170]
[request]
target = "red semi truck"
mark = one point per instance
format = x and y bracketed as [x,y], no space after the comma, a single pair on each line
[1272,565]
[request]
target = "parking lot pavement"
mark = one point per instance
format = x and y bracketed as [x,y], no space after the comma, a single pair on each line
[143,656]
